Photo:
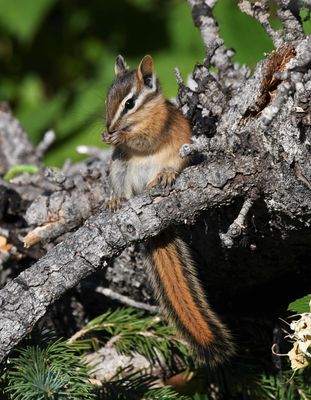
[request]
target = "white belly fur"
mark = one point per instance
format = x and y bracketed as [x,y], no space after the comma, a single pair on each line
[130,177]
[140,172]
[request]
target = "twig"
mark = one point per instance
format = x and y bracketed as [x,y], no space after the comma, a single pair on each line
[48,139]
[216,52]
[126,300]
[288,12]
[184,92]
[238,225]
[302,394]
[199,144]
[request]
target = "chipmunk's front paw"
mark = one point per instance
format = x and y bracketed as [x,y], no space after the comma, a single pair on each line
[165,178]
[115,137]
[115,203]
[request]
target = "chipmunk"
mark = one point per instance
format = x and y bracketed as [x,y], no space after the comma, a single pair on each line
[147,132]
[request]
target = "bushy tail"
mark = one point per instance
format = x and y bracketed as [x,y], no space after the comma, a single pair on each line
[181,297]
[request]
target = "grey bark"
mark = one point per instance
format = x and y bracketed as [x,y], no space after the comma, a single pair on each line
[24,300]
[251,149]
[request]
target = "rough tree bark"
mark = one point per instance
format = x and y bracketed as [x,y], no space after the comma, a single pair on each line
[248,190]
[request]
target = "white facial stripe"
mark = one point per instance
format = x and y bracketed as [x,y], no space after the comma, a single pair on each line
[121,106]
[154,83]
[143,94]
[139,101]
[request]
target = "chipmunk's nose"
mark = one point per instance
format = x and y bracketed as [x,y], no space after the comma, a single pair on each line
[111,127]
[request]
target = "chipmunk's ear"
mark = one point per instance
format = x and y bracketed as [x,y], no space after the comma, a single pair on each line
[145,71]
[120,66]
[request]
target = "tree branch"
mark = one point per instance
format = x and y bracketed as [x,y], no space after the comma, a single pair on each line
[127,300]
[24,300]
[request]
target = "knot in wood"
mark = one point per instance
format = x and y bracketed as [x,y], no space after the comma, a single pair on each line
[129,224]
[130,228]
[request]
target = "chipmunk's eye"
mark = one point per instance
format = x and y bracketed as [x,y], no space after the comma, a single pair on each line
[130,103]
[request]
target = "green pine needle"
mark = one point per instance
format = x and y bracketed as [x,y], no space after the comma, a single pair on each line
[133,332]
[54,372]
[127,385]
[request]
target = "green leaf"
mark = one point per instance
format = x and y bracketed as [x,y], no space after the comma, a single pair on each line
[300,305]
[186,38]
[20,169]
[86,108]
[31,91]
[306,20]
[22,18]
[39,117]
[89,135]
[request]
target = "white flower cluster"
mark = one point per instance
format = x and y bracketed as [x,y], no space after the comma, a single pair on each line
[300,354]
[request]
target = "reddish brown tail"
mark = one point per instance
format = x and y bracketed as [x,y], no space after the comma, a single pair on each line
[182,299]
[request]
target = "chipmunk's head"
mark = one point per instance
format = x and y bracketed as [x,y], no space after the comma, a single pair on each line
[131,96]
